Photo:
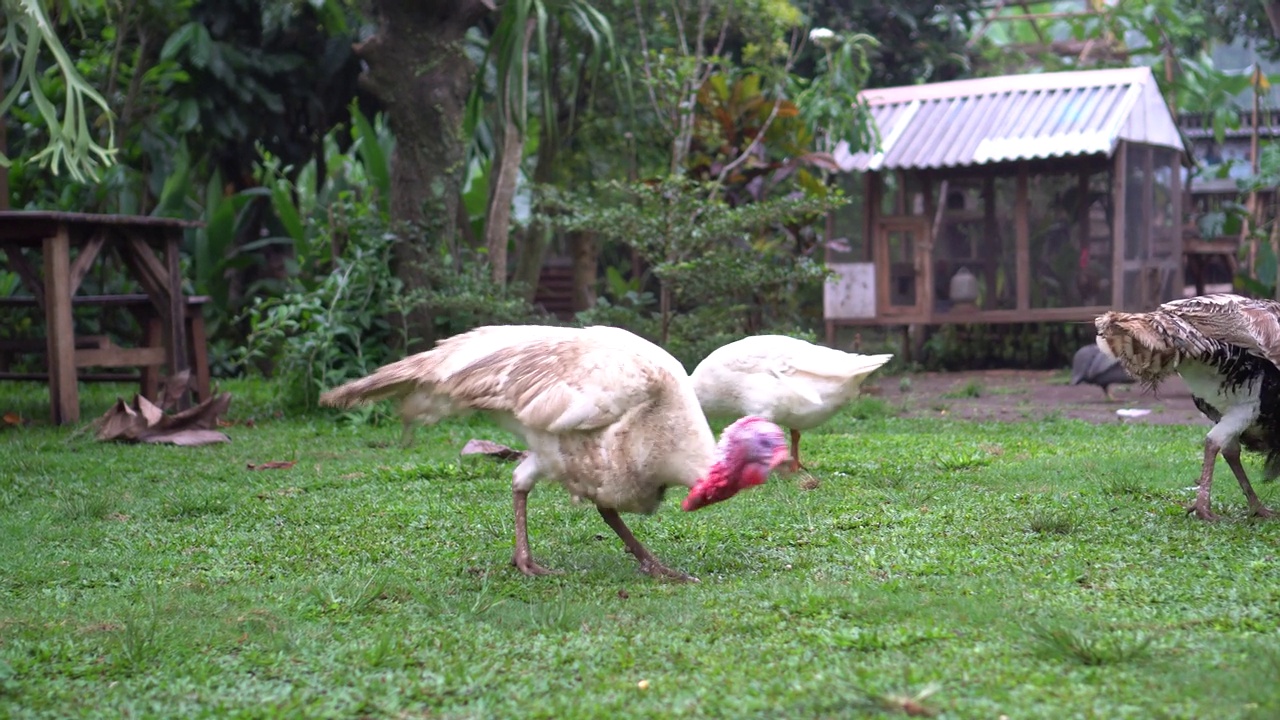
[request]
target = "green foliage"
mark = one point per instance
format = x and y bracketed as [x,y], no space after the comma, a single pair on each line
[1091,648]
[1027,346]
[1264,281]
[729,270]
[462,295]
[334,326]
[829,101]
[71,142]
[330,318]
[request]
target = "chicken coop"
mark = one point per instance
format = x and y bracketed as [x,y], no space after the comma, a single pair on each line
[1024,198]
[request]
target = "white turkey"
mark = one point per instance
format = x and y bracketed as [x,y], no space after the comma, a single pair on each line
[610,416]
[1093,366]
[794,383]
[1227,350]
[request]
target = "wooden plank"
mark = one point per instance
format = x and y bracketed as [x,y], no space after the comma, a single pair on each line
[982,317]
[1211,247]
[120,357]
[1022,240]
[27,274]
[1117,224]
[64,396]
[147,269]
[84,260]
[83,377]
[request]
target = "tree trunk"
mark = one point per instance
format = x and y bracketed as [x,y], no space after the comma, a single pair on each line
[418,67]
[506,164]
[4,147]
[534,250]
[502,191]
[1273,15]
[586,256]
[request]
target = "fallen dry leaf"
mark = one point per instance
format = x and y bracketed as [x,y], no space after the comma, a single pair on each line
[144,421]
[492,449]
[274,465]
[12,418]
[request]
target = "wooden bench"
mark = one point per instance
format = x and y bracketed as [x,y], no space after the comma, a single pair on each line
[98,351]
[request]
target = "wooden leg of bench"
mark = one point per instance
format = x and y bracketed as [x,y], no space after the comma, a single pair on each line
[199,354]
[151,337]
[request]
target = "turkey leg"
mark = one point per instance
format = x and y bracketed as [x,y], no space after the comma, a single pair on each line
[1200,508]
[523,559]
[1231,454]
[649,564]
[795,452]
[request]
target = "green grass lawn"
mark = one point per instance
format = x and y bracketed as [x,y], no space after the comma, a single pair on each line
[1036,570]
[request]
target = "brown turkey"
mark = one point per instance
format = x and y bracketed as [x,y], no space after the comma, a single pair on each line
[608,415]
[1226,348]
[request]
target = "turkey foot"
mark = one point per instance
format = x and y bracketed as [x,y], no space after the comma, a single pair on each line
[527,566]
[522,558]
[1204,513]
[649,564]
[651,567]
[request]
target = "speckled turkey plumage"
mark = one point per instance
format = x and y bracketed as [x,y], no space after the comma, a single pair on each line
[1227,350]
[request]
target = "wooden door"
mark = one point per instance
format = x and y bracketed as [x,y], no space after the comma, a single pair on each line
[902,266]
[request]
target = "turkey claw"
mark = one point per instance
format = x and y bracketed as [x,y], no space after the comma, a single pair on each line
[1204,513]
[656,569]
[1263,511]
[531,568]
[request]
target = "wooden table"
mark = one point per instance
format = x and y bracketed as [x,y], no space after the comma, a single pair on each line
[135,240]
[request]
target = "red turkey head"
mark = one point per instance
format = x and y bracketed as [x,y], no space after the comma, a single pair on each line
[749,450]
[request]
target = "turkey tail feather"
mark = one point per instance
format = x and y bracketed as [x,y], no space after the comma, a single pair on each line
[394,380]
[1151,345]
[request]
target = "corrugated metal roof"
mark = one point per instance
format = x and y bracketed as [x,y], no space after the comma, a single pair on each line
[1015,117]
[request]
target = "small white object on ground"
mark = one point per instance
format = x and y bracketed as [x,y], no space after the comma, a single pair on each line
[1132,412]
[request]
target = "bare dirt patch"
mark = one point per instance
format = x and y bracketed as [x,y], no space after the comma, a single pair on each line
[1017,395]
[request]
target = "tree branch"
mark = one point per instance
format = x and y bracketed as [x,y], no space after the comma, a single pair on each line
[796,45]
[648,71]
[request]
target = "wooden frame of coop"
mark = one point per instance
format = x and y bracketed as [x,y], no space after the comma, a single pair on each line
[1030,198]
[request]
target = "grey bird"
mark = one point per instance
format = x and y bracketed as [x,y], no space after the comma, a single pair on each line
[1095,367]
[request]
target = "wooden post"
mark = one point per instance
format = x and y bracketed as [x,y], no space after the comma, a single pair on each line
[1175,181]
[1022,228]
[871,216]
[1082,231]
[64,394]
[176,327]
[995,250]
[1146,295]
[1118,216]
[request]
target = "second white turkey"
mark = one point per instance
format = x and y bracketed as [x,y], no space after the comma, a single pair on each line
[792,382]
